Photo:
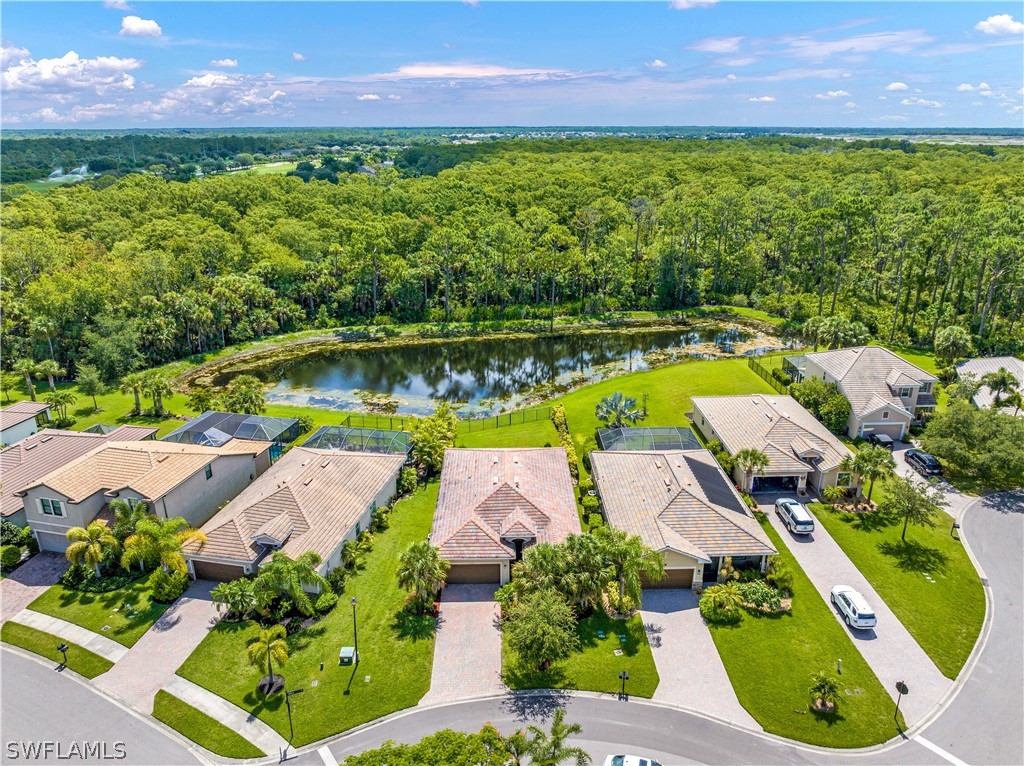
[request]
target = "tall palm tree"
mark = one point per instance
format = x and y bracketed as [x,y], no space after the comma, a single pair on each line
[157,540]
[91,545]
[133,384]
[27,369]
[44,327]
[1000,382]
[49,369]
[876,463]
[851,466]
[550,748]
[587,573]
[156,385]
[618,409]
[290,577]
[630,561]
[126,517]
[750,460]
[60,401]
[267,648]
[422,570]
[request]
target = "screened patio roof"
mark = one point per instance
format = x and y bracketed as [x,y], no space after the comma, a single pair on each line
[361,440]
[666,438]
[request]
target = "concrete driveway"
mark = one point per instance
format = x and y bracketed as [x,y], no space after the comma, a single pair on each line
[889,648]
[689,666]
[467,650]
[958,501]
[27,583]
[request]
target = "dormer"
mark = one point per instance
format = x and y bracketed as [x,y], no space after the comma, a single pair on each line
[517,526]
[902,385]
[275,533]
[805,450]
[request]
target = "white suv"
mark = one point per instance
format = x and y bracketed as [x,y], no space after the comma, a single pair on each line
[853,607]
[629,760]
[797,519]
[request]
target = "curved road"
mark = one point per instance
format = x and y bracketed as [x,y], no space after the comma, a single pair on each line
[982,724]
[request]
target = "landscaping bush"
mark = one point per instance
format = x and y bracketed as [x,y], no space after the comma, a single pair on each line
[586,486]
[761,596]
[306,423]
[326,602]
[590,445]
[570,453]
[779,574]
[11,534]
[28,541]
[168,587]
[724,458]
[713,614]
[407,480]
[590,504]
[64,423]
[749,575]
[558,418]
[594,520]
[336,578]
[10,555]
[73,576]
[620,604]
[782,377]
[379,520]
[81,578]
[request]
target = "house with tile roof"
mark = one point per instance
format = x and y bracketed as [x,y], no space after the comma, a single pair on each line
[887,394]
[22,419]
[46,451]
[183,480]
[979,368]
[801,451]
[683,506]
[310,500]
[494,503]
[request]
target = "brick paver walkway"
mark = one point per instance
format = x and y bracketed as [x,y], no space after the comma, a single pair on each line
[889,649]
[26,583]
[467,652]
[151,662]
[691,670]
[76,634]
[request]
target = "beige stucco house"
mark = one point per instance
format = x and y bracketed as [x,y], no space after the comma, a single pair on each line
[682,505]
[801,451]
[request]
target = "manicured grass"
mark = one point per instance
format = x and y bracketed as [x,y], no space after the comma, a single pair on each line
[201,729]
[770,661]
[96,610]
[80,660]
[944,614]
[535,434]
[595,667]
[397,650]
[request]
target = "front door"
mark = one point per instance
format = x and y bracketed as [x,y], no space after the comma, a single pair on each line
[711,570]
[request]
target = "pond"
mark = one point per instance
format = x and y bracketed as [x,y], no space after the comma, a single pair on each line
[490,375]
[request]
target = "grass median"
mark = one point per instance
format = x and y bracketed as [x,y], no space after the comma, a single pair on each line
[80,660]
[201,729]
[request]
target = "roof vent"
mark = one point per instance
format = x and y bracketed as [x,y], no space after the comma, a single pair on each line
[162,458]
[45,439]
[31,446]
[325,463]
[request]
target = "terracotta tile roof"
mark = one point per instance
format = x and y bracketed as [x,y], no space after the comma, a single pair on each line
[978,368]
[19,412]
[46,451]
[487,493]
[863,375]
[312,497]
[679,500]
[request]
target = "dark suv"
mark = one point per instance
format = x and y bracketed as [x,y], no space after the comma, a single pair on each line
[882,440]
[923,463]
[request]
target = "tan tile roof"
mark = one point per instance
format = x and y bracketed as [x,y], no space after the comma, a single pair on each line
[778,425]
[485,491]
[150,468]
[679,500]
[311,496]
[19,412]
[981,367]
[863,373]
[44,452]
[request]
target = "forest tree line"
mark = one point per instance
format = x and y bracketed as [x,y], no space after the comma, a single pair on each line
[147,270]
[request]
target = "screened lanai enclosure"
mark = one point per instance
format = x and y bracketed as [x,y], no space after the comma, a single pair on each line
[213,429]
[377,440]
[667,438]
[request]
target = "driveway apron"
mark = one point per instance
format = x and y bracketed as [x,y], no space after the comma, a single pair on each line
[28,582]
[467,650]
[958,501]
[889,649]
[689,666]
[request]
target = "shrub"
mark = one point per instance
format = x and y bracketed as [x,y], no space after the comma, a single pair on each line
[92,583]
[586,486]
[306,423]
[11,534]
[63,423]
[168,587]
[379,521]
[74,575]
[716,616]
[570,453]
[782,377]
[749,575]
[9,556]
[590,445]
[620,604]
[760,595]
[590,504]
[558,418]
[724,458]
[740,300]
[780,575]
[594,520]
[326,602]
[727,571]
[406,480]
[336,579]
[294,625]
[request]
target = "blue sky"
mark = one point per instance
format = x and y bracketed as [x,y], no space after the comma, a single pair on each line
[121,63]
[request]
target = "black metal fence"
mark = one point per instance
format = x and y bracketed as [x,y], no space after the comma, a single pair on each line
[466,425]
[765,374]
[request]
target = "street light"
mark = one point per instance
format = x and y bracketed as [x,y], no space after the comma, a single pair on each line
[355,629]
[623,676]
[63,649]
[288,703]
[902,688]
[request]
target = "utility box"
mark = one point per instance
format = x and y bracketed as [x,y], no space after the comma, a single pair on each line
[347,655]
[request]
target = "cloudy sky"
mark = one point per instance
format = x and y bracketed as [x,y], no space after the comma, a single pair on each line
[122,63]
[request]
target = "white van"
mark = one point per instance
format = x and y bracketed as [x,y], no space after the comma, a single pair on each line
[797,519]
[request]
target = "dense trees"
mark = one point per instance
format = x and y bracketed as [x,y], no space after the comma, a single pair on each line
[986,444]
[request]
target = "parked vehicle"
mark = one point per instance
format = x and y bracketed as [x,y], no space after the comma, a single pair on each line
[923,463]
[882,440]
[629,760]
[853,607]
[795,516]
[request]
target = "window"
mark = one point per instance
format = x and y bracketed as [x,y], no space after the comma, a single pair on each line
[905,393]
[209,470]
[843,480]
[52,507]
[885,415]
[359,528]
[926,388]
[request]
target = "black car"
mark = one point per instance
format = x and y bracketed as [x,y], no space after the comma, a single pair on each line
[923,463]
[882,440]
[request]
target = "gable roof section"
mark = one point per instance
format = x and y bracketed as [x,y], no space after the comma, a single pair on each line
[983,366]
[863,373]
[488,493]
[17,413]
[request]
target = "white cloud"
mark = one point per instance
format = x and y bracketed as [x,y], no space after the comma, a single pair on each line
[850,105]
[1015,110]
[763,99]
[1002,25]
[965,87]
[134,26]
[730,76]
[471,3]
[921,102]
[830,94]
[847,75]
[717,45]
[457,71]
[298,56]
[71,73]
[891,118]
[12,54]
[393,97]
[224,63]
[896,86]
[368,97]
[448,45]
[883,98]
[856,46]
[116,5]
[685,5]
[656,64]
[218,94]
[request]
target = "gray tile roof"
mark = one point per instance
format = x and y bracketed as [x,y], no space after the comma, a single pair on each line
[863,373]
[983,366]
[19,412]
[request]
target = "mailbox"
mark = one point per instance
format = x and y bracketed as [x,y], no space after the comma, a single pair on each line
[347,655]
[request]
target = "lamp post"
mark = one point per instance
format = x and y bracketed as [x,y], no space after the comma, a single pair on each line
[623,676]
[902,689]
[288,703]
[355,629]
[63,649]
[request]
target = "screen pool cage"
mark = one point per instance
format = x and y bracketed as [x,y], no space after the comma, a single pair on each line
[376,440]
[667,438]
[213,429]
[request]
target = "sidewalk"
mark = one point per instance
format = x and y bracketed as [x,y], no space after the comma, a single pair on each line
[94,642]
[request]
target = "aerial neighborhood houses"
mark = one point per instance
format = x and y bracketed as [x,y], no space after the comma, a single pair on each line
[20,420]
[887,394]
[979,368]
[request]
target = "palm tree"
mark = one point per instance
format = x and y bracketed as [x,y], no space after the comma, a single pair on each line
[43,327]
[287,576]
[156,385]
[267,648]
[91,545]
[60,401]
[1000,382]
[550,748]
[876,463]
[617,409]
[724,597]
[160,540]
[49,369]
[749,460]
[587,574]
[26,368]
[134,383]
[542,566]
[824,689]
[1015,400]
[630,561]
[126,517]
[422,570]
[238,596]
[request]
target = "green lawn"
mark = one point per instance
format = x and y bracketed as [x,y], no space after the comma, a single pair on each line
[943,614]
[397,651]
[201,729]
[770,661]
[97,610]
[535,434]
[595,667]
[80,660]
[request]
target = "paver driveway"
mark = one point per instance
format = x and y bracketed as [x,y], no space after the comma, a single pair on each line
[27,583]
[151,662]
[691,670]
[467,651]
[889,649]
[958,501]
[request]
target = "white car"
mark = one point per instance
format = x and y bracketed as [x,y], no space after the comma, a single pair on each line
[629,760]
[797,519]
[853,607]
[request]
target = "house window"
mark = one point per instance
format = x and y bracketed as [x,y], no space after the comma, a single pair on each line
[885,415]
[52,507]
[209,470]
[926,388]
[904,393]
[359,528]
[843,480]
